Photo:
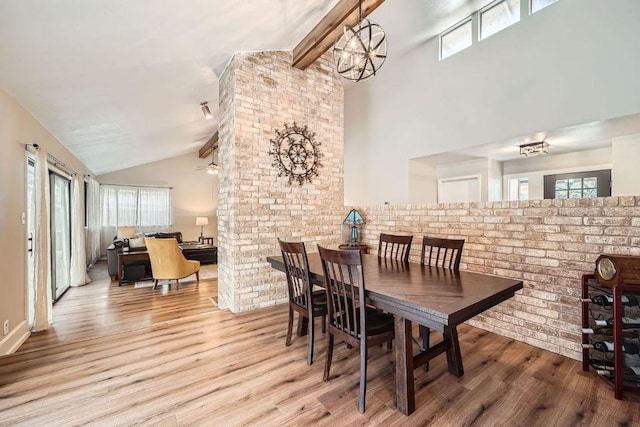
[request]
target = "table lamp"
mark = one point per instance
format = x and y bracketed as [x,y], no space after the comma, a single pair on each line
[354,219]
[202,221]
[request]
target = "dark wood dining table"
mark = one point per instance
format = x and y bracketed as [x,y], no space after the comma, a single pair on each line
[435,297]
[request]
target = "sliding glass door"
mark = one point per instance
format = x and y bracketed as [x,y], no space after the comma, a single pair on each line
[60,234]
[31,288]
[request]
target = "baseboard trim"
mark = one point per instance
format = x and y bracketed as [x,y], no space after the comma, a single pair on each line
[12,342]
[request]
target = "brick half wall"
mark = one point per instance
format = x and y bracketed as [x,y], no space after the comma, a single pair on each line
[548,244]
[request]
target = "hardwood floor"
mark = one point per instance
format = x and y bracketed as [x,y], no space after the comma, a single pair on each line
[134,356]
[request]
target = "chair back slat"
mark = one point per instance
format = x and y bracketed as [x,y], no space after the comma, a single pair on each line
[297,269]
[345,289]
[394,247]
[445,253]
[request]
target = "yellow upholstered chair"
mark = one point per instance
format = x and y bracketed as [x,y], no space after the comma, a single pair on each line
[168,263]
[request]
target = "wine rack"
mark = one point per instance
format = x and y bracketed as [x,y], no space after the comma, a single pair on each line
[610,333]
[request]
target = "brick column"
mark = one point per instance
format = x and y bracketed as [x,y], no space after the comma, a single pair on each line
[259,93]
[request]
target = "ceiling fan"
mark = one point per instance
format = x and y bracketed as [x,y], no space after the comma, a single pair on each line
[211,168]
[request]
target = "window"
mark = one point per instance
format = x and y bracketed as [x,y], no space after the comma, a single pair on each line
[581,185]
[499,16]
[135,206]
[518,189]
[456,39]
[536,5]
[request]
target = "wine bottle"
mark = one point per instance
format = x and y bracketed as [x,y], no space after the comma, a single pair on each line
[631,348]
[629,373]
[626,333]
[600,364]
[607,300]
[603,346]
[607,347]
[628,322]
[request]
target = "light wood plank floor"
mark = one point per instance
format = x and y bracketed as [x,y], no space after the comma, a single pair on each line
[135,356]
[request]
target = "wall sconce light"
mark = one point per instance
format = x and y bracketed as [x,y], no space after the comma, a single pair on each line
[206,111]
[354,219]
[534,149]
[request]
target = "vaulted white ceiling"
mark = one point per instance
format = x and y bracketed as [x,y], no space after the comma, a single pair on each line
[120,82]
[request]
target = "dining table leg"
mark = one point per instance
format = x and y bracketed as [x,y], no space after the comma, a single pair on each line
[405,392]
[454,357]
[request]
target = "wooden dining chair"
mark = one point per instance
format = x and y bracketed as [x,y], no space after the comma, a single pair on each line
[394,247]
[350,319]
[302,299]
[442,253]
[439,252]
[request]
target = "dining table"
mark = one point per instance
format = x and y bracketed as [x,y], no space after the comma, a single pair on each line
[435,297]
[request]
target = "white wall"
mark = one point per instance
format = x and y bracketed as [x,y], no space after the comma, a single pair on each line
[423,182]
[194,193]
[17,128]
[625,176]
[571,63]
[494,180]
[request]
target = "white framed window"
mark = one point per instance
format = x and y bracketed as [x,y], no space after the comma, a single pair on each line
[135,206]
[536,5]
[457,38]
[498,16]
[578,185]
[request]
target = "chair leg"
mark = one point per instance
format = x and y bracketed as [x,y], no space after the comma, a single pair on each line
[177,284]
[324,324]
[311,330]
[424,334]
[327,366]
[363,376]
[155,284]
[198,276]
[289,328]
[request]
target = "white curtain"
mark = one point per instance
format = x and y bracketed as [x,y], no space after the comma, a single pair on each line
[136,206]
[78,274]
[93,220]
[41,247]
[154,207]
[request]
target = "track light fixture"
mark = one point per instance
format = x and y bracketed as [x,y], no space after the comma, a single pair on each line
[206,111]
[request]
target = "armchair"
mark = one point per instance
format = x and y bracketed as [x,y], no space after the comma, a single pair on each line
[168,262]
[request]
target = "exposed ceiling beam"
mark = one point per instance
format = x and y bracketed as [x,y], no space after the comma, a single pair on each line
[327,31]
[209,146]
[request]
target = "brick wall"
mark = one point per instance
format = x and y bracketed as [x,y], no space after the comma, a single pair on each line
[548,244]
[259,92]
